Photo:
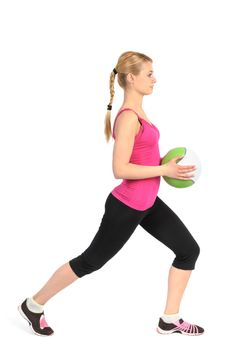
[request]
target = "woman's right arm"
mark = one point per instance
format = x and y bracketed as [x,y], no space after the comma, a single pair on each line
[125,131]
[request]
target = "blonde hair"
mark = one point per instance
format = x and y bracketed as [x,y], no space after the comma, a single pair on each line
[128,62]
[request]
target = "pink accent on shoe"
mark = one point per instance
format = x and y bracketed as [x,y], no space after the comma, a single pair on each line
[43,322]
[186,327]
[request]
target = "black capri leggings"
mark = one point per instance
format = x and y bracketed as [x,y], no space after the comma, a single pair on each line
[120,221]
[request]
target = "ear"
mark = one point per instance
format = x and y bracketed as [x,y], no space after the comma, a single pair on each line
[130,78]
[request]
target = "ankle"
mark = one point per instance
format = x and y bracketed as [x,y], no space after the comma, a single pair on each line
[38,300]
[171,312]
[170,318]
[34,306]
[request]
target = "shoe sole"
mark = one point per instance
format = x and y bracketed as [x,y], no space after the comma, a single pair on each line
[30,323]
[161,331]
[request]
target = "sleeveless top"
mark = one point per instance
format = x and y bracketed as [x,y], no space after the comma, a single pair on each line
[140,194]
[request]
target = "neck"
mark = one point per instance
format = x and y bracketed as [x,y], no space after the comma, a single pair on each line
[133,99]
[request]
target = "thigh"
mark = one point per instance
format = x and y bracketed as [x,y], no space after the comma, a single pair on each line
[163,224]
[117,225]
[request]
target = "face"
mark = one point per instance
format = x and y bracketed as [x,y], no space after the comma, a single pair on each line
[144,81]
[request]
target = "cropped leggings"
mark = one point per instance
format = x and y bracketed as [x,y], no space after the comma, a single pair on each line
[120,221]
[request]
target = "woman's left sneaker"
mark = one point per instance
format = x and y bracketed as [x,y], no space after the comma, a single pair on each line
[36,321]
[179,326]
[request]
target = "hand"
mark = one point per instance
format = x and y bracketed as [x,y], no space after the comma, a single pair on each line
[175,171]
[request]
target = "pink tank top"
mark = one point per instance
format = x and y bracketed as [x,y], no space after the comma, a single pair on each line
[140,194]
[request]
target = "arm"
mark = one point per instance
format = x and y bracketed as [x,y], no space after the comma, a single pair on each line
[125,130]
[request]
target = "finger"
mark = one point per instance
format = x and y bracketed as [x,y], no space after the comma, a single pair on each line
[185,171]
[187,166]
[184,177]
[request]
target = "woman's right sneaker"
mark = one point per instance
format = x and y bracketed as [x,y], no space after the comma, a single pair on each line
[36,321]
[179,326]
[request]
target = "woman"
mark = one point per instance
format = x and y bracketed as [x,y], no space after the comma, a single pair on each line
[136,160]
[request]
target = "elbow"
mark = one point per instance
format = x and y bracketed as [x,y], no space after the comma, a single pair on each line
[117,173]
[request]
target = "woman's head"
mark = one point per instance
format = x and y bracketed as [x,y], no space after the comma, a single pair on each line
[134,72]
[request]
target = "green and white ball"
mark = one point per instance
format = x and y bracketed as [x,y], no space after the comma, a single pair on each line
[189,158]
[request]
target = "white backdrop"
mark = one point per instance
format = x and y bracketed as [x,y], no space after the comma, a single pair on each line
[56,172]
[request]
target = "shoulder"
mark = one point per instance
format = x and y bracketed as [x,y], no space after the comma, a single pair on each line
[126,121]
[127,115]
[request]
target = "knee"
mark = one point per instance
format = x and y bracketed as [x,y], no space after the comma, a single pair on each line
[187,258]
[82,267]
[194,251]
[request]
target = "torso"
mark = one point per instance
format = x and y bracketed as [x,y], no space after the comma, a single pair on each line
[140,194]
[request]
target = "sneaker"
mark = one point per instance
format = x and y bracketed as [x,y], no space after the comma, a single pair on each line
[179,326]
[36,321]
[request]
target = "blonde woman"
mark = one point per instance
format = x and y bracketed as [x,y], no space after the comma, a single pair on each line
[137,161]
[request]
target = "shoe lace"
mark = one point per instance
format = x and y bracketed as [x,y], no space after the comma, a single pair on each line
[186,327]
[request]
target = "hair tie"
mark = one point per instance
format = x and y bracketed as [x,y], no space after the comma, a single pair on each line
[115,71]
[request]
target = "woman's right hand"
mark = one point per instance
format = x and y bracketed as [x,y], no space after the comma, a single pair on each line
[175,171]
